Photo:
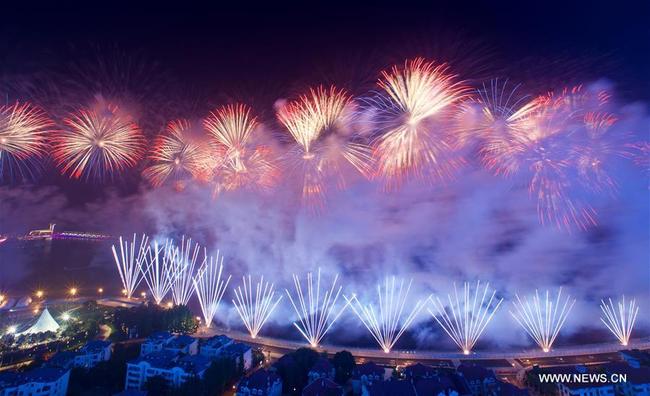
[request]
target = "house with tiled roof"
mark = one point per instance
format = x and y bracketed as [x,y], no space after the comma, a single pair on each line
[44,381]
[260,383]
[323,387]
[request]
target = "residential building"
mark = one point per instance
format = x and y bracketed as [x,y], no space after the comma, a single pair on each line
[323,387]
[169,365]
[44,381]
[213,345]
[585,389]
[365,374]
[261,383]
[241,353]
[321,369]
[418,371]
[389,388]
[436,386]
[636,358]
[481,381]
[183,344]
[155,342]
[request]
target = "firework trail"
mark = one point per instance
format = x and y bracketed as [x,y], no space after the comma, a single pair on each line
[620,321]
[256,309]
[182,268]
[411,112]
[542,320]
[23,130]
[128,264]
[175,155]
[321,149]
[238,162]
[158,272]
[316,314]
[388,325]
[210,287]
[96,143]
[465,319]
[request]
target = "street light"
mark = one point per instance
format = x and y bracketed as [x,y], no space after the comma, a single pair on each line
[100,290]
[65,316]
[39,293]
[11,330]
[73,291]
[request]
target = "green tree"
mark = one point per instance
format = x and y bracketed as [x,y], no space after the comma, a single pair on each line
[343,365]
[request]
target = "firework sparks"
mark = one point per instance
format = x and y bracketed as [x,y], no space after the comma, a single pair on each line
[388,325]
[320,152]
[210,287]
[415,97]
[158,272]
[238,161]
[96,143]
[465,319]
[542,320]
[316,313]
[23,130]
[620,321]
[175,155]
[182,268]
[256,309]
[129,265]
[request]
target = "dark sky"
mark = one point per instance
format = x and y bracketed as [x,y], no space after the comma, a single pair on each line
[276,45]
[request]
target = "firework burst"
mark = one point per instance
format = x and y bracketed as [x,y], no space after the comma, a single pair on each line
[255,309]
[96,143]
[182,268]
[390,322]
[129,265]
[23,132]
[210,287]
[158,272]
[317,310]
[316,122]
[466,317]
[542,320]
[175,155]
[620,321]
[411,112]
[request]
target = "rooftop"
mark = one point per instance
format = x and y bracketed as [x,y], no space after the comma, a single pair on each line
[96,346]
[159,336]
[180,341]
[38,375]
[159,359]
[217,341]
[391,388]
[475,372]
[420,370]
[261,379]
[368,368]
[323,387]
[236,348]
[194,363]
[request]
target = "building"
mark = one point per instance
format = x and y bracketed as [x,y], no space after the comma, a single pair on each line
[507,389]
[213,345]
[183,344]
[481,381]
[321,369]
[241,353]
[584,389]
[45,381]
[419,370]
[389,388]
[323,387]
[155,342]
[169,365]
[637,380]
[636,358]
[365,374]
[436,386]
[260,383]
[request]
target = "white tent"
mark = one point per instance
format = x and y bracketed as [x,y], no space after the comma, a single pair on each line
[44,323]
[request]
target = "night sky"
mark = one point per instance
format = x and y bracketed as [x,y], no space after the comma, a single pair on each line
[167,62]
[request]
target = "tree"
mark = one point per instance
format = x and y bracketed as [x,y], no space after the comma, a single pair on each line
[293,369]
[157,385]
[219,374]
[343,365]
